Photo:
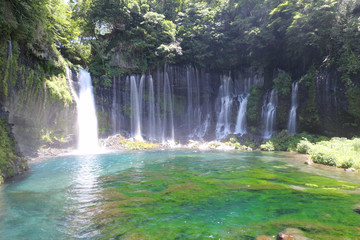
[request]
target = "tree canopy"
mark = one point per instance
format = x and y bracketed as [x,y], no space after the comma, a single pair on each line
[117,36]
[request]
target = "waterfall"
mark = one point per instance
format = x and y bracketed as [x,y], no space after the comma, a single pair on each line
[193,102]
[294,105]
[269,114]
[207,105]
[225,102]
[240,127]
[151,118]
[87,120]
[135,110]
[10,49]
[168,109]
[189,100]
[114,108]
[141,92]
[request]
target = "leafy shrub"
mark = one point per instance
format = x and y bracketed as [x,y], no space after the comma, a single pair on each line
[283,84]
[286,142]
[339,152]
[254,104]
[268,146]
[303,146]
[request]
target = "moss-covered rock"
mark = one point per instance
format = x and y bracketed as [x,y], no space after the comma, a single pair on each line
[11,161]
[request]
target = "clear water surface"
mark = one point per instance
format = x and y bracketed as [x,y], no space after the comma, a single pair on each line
[178,195]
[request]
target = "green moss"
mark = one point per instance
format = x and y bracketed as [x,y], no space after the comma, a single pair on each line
[10,162]
[353,97]
[282,83]
[58,88]
[185,197]
[137,145]
[254,105]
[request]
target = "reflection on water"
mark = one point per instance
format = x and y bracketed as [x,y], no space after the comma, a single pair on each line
[82,195]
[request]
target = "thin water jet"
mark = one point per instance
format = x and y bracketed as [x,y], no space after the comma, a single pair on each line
[294,106]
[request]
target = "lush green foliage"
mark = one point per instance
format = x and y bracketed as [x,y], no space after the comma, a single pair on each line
[290,35]
[254,104]
[286,142]
[282,83]
[340,152]
[353,96]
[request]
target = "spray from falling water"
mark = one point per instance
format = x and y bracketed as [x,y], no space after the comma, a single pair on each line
[87,120]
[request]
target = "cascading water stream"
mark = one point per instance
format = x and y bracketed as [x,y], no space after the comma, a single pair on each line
[152,123]
[10,49]
[87,120]
[193,103]
[141,92]
[145,104]
[269,114]
[240,127]
[135,110]
[225,102]
[294,105]
[189,100]
[168,110]
[114,108]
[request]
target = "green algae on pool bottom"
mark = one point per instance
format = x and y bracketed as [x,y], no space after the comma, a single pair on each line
[178,195]
[223,198]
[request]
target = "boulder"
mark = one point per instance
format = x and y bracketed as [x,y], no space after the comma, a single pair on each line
[349,170]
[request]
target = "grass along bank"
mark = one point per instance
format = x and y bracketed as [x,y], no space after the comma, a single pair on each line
[339,152]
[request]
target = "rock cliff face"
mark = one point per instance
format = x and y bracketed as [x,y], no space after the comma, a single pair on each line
[39,117]
[12,162]
[39,103]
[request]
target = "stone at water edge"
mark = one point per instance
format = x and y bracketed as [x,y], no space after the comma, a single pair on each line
[284,236]
[349,170]
[309,162]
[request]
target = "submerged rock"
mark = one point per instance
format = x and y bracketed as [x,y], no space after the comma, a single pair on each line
[284,236]
[357,208]
[296,233]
